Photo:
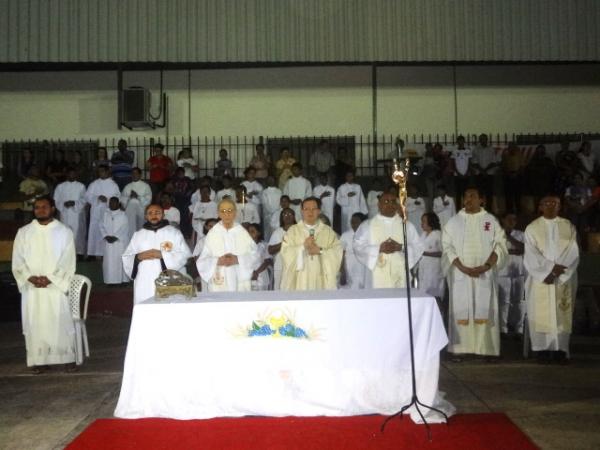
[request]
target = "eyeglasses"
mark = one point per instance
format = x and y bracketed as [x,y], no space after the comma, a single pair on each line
[287,214]
[226,211]
[389,202]
[311,209]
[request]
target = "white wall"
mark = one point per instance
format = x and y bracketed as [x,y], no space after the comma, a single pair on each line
[309,101]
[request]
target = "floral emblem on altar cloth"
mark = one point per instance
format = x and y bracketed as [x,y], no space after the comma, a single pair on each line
[487,226]
[276,324]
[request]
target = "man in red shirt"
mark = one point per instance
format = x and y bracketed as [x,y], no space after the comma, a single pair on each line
[160,167]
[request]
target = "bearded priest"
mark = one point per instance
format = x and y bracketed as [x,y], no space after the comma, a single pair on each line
[156,247]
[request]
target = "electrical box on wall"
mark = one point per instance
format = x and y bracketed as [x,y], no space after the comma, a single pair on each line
[135,112]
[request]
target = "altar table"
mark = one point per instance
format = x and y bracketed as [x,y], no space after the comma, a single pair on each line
[274,353]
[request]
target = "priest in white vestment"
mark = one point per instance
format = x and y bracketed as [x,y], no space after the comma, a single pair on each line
[551,259]
[97,195]
[156,247]
[229,254]
[115,232]
[379,245]
[134,198]
[69,197]
[326,194]
[354,270]
[474,249]
[444,206]
[43,263]
[297,188]
[269,198]
[351,199]
[311,252]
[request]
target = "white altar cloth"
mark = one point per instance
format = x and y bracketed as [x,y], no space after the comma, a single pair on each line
[193,359]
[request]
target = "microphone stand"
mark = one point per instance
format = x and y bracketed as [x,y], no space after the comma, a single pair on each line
[399,177]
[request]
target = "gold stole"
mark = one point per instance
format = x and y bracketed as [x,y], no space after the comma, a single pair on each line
[548,296]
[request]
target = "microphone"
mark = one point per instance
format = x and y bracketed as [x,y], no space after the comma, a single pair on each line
[311,233]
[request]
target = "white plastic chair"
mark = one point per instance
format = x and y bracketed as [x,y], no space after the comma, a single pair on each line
[74,295]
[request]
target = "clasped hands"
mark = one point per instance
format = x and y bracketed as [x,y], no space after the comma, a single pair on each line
[149,254]
[227,260]
[390,246]
[472,271]
[556,272]
[39,281]
[311,247]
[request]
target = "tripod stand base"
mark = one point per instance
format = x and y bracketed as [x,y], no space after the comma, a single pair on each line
[416,403]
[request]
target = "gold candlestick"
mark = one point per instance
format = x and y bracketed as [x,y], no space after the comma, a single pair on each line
[400,177]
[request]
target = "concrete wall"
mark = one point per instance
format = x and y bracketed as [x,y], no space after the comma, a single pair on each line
[309,101]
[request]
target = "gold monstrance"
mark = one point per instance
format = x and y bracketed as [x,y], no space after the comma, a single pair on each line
[400,177]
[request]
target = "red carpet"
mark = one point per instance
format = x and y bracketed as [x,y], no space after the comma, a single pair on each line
[465,432]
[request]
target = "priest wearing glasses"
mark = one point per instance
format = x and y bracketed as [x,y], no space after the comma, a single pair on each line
[229,254]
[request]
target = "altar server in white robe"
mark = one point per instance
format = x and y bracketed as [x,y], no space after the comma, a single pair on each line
[415,207]
[246,210]
[511,279]
[551,259]
[373,202]
[156,247]
[43,263]
[311,252]
[170,212]
[287,218]
[134,198]
[204,181]
[269,198]
[284,203]
[326,194]
[379,245]
[297,188]
[69,197]
[253,188]
[443,205]
[354,270]
[351,199]
[97,195]
[474,249]
[228,191]
[431,278]
[204,209]
[229,255]
[115,232]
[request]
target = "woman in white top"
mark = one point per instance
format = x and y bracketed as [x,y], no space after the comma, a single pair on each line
[431,279]
[287,218]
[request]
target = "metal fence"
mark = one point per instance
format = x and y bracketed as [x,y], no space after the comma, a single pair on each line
[371,154]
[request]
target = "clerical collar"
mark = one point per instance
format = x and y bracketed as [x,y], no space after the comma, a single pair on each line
[386,218]
[155,227]
[550,220]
